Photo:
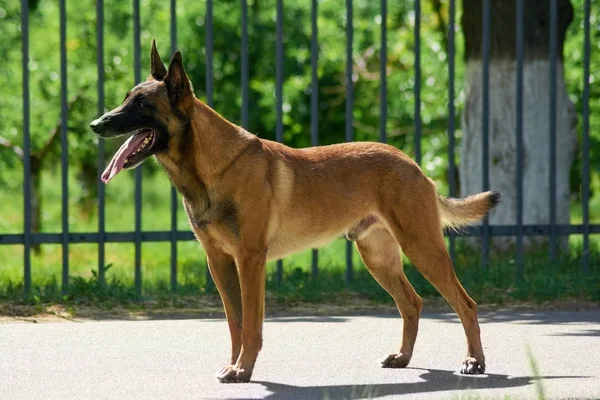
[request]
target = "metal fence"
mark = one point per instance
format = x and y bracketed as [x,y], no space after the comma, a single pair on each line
[519,230]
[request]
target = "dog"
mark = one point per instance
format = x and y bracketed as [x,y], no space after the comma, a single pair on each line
[249,200]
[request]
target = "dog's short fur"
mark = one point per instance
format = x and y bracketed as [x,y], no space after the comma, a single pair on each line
[251,200]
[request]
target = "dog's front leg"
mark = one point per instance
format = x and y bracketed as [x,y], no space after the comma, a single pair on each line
[251,267]
[224,272]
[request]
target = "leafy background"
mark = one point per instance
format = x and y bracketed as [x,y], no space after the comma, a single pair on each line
[44,67]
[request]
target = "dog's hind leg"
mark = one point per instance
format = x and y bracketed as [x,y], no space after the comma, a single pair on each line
[381,254]
[421,239]
[433,261]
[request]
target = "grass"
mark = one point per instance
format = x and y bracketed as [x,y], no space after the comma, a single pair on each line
[498,284]
[535,372]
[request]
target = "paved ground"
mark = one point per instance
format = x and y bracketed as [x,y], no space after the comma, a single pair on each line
[303,357]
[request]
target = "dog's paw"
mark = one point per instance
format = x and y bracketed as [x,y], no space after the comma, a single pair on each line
[472,367]
[231,374]
[396,360]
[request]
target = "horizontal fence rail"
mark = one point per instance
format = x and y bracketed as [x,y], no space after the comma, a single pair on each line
[519,230]
[165,236]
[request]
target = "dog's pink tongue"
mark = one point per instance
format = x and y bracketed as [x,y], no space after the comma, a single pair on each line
[116,164]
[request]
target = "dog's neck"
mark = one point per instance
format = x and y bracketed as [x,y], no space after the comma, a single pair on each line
[216,140]
[196,160]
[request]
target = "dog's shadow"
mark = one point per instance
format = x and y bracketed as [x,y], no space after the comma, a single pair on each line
[432,381]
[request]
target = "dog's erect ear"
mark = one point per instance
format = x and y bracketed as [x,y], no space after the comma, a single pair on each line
[157,68]
[178,84]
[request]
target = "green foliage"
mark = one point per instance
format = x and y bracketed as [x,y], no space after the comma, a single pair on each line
[118,66]
[94,291]
[119,72]
[573,60]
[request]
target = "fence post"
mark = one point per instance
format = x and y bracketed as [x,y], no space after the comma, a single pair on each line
[485,131]
[279,98]
[26,150]
[209,43]
[417,86]
[100,156]
[552,182]
[314,107]
[451,116]
[519,136]
[383,75]
[173,190]
[585,190]
[349,117]
[64,156]
[138,170]
[244,64]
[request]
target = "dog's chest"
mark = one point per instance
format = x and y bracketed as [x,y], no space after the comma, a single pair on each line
[205,214]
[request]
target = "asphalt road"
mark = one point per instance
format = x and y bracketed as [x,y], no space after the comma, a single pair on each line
[303,357]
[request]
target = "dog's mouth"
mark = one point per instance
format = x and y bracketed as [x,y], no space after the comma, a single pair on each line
[135,150]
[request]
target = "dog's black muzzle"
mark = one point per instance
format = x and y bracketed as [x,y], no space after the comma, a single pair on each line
[112,125]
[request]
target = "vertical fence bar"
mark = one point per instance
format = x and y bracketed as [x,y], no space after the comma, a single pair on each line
[417,86]
[100,157]
[485,132]
[138,170]
[383,75]
[279,73]
[349,117]
[314,105]
[244,64]
[209,43]
[209,52]
[173,15]
[519,136]
[64,156]
[26,149]
[585,189]
[552,182]
[451,115]
[173,190]
[279,97]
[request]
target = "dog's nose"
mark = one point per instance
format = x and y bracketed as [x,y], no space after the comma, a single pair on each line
[96,125]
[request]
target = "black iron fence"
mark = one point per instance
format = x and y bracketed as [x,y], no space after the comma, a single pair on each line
[518,230]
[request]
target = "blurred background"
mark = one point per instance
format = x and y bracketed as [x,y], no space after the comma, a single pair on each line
[412,69]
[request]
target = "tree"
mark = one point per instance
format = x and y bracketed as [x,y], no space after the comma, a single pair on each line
[502,115]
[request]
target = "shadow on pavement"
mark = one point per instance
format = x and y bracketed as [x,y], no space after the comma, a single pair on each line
[433,381]
[308,318]
[557,317]
[585,332]
[215,312]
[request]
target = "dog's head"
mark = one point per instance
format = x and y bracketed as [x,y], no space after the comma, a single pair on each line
[154,112]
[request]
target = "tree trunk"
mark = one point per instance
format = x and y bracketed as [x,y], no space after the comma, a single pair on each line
[502,113]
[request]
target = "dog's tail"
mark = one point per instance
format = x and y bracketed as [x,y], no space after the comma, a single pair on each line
[456,213]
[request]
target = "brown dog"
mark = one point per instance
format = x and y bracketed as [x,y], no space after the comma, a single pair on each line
[250,200]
